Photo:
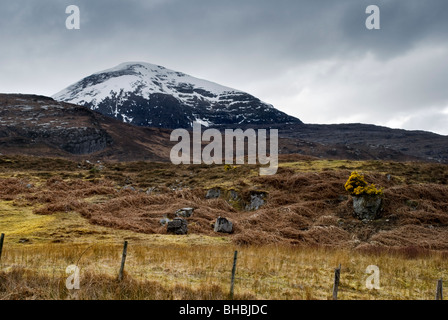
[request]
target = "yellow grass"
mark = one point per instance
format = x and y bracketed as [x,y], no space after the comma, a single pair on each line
[173,271]
[22,226]
[21,222]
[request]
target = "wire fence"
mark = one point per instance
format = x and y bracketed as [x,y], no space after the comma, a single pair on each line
[222,271]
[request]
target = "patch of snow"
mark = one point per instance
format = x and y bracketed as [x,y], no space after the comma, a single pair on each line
[205,123]
[127,119]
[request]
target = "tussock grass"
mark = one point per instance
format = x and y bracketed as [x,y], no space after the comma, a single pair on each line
[203,272]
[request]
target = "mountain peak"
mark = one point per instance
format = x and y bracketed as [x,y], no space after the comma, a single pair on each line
[146,94]
[136,67]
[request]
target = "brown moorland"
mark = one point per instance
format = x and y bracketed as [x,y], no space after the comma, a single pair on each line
[306,203]
[57,212]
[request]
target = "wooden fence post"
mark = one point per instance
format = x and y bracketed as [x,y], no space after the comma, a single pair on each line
[123,260]
[232,281]
[439,291]
[337,277]
[2,237]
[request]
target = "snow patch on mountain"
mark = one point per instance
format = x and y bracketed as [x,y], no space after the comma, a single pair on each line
[147,94]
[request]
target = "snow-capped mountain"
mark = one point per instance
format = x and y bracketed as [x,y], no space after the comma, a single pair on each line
[149,95]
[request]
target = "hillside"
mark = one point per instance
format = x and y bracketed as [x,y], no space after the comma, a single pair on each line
[305,203]
[358,141]
[41,126]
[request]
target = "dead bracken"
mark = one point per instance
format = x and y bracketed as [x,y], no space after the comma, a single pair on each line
[305,203]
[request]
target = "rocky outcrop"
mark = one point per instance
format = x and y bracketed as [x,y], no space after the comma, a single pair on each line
[367,207]
[214,193]
[257,199]
[177,226]
[184,212]
[88,141]
[223,225]
[238,200]
[40,120]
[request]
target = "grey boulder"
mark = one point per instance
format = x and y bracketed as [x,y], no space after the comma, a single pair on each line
[213,193]
[177,226]
[367,207]
[223,225]
[184,212]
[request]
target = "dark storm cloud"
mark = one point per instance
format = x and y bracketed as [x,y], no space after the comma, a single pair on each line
[313,59]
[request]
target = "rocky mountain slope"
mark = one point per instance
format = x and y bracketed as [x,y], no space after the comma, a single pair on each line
[37,125]
[41,126]
[364,142]
[144,94]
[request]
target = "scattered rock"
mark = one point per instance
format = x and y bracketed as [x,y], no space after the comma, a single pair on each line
[131,188]
[240,202]
[367,207]
[223,225]
[257,199]
[213,193]
[177,226]
[184,212]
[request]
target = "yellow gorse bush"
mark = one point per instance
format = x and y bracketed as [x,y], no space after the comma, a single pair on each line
[229,167]
[357,186]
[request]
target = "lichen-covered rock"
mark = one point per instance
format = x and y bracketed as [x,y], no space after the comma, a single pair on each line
[367,207]
[223,225]
[177,226]
[233,195]
[213,193]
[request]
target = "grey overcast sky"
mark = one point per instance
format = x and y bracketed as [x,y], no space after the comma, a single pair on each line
[313,59]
